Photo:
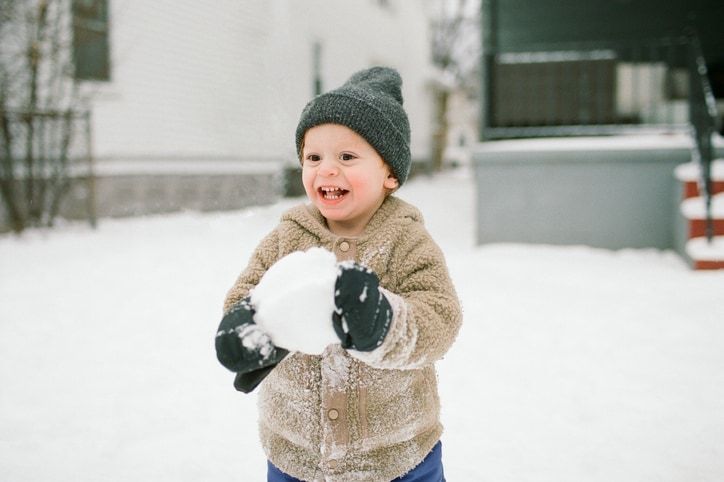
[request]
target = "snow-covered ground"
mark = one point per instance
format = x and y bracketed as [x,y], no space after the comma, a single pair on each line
[573,364]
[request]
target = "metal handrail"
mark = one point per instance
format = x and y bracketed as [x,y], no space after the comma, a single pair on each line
[704,122]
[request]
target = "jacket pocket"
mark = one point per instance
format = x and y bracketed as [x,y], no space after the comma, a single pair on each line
[398,404]
[288,408]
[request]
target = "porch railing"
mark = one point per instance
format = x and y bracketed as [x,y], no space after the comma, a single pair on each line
[704,121]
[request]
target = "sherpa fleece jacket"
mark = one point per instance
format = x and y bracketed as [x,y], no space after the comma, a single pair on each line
[346,415]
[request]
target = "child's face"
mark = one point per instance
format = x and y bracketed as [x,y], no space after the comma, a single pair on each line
[344,177]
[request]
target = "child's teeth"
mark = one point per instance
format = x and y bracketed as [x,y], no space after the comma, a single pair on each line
[331,192]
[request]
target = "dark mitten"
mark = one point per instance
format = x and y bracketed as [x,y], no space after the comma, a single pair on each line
[241,345]
[363,314]
[247,381]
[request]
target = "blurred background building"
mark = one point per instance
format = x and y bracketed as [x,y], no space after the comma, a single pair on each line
[576,114]
[588,109]
[210,96]
[593,67]
[183,106]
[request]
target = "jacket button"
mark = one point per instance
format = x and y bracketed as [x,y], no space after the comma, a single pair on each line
[344,246]
[333,414]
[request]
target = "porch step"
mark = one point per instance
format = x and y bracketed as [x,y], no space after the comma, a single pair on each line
[695,208]
[694,211]
[689,174]
[704,255]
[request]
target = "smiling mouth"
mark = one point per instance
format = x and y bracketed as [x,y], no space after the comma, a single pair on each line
[331,193]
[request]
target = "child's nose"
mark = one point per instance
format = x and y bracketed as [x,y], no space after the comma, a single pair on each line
[328,167]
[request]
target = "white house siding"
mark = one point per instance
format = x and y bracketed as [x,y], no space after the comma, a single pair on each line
[204,98]
[195,83]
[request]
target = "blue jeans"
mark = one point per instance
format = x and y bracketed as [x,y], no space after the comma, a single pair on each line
[429,470]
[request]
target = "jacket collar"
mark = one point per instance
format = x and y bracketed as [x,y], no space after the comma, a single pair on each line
[308,217]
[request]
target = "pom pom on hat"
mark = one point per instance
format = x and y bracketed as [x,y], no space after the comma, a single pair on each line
[369,103]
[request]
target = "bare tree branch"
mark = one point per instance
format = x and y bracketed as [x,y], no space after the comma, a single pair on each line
[455,52]
[39,108]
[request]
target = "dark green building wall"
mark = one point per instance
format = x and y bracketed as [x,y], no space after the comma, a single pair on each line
[522,25]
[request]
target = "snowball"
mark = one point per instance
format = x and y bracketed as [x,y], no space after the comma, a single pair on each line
[294,301]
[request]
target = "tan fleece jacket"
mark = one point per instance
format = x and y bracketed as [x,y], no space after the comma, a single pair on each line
[348,415]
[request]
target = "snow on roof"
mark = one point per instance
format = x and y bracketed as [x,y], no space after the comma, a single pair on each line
[694,208]
[690,171]
[628,142]
[701,250]
[558,56]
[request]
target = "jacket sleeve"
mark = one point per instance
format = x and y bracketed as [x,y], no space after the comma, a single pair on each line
[426,311]
[265,255]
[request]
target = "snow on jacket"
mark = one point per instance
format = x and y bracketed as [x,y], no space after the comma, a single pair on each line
[348,415]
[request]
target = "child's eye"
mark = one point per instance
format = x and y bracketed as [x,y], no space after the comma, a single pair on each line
[312,158]
[347,157]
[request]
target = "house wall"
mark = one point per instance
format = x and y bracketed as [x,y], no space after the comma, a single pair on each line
[197,83]
[194,87]
[523,25]
[614,193]
[644,93]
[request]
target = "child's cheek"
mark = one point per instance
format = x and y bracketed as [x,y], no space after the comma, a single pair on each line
[356,180]
[308,181]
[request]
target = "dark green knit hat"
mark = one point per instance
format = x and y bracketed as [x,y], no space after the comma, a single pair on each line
[369,103]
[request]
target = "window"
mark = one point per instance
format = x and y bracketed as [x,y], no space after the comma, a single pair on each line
[91,53]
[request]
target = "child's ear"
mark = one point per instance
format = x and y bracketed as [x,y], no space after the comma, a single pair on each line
[391,182]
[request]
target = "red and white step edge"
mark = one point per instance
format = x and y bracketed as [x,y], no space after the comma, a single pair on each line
[690,172]
[705,255]
[695,207]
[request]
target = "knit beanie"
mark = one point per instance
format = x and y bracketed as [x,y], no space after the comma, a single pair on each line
[369,103]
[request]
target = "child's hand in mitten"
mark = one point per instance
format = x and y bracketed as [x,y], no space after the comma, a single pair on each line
[241,345]
[363,314]
[294,301]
